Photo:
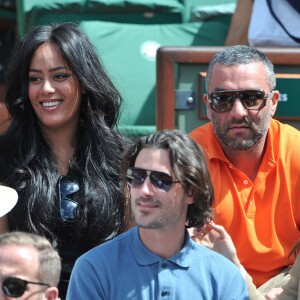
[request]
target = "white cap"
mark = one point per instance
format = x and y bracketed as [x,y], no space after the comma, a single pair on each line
[8,199]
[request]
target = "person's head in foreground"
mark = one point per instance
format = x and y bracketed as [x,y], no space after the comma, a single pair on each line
[29,267]
[169,181]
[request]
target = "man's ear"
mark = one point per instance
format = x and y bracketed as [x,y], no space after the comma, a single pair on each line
[205,99]
[274,99]
[52,293]
[190,197]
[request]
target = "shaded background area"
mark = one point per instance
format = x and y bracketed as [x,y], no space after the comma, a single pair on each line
[126,35]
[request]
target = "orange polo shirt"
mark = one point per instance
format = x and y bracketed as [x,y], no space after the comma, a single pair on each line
[262,217]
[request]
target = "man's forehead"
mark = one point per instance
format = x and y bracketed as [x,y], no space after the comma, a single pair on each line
[154,159]
[251,75]
[12,251]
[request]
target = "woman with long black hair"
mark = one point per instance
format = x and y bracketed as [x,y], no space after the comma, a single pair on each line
[62,150]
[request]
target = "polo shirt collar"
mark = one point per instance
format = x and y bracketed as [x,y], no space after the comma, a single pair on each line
[145,257]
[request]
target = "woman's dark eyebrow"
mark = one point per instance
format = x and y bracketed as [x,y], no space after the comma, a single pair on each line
[51,70]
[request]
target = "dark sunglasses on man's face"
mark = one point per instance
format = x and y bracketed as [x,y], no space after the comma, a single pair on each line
[223,101]
[15,287]
[137,176]
[67,187]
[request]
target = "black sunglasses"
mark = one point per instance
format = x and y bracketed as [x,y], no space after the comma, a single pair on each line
[137,176]
[223,101]
[15,287]
[67,187]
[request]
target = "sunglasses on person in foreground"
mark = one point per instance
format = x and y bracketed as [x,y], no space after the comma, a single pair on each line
[15,287]
[137,176]
[66,188]
[223,101]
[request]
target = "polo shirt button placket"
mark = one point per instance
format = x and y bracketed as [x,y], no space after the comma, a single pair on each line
[165,292]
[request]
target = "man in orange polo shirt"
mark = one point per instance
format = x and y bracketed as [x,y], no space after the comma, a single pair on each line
[254,161]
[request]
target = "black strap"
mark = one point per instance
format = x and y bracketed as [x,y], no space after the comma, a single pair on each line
[269,2]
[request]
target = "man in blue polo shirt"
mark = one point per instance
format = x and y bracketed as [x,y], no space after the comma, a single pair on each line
[169,187]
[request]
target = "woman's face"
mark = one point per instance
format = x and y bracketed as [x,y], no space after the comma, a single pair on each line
[54,91]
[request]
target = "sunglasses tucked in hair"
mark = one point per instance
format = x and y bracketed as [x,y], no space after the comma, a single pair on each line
[162,181]
[223,101]
[67,187]
[15,287]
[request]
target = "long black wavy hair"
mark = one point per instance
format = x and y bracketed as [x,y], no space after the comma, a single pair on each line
[28,162]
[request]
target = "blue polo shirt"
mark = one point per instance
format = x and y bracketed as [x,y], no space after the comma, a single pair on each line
[124,268]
